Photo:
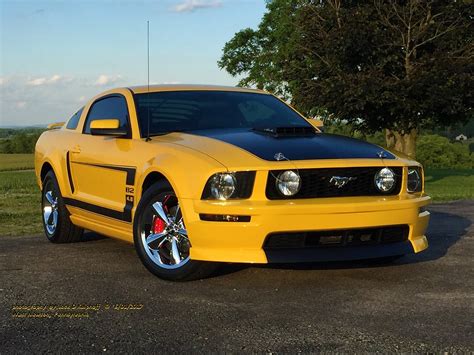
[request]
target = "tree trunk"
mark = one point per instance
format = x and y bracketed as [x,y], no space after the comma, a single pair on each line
[402,141]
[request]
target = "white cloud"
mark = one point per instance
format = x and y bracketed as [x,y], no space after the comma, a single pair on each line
[36,82]
[193,5]
[103,80]
[42,99]
[55,79]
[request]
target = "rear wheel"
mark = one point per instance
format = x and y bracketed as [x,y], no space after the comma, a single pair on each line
[161,238]
[56,222]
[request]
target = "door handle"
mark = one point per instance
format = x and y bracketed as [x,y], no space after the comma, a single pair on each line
[76,149]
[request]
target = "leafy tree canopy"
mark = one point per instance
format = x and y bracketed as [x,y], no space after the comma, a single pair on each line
[377,64]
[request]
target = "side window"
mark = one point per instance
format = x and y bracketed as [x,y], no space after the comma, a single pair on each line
[74,120]
[110,107]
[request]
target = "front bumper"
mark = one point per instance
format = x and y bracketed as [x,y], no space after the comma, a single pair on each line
[243,241]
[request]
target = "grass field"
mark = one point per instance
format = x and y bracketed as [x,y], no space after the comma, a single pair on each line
[449,185]
[20,211]
[20,197]
[16,162]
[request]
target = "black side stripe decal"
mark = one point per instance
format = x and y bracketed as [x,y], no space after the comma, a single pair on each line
[126,214]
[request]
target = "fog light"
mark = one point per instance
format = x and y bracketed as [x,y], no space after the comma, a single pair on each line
[288,183]
[385,180]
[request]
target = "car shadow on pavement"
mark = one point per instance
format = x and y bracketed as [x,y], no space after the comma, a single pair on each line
[91,237]
[445,230]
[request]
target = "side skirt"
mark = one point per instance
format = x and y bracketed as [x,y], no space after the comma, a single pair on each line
[117,231]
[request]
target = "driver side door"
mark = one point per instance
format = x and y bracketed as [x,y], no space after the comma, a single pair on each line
[103,180]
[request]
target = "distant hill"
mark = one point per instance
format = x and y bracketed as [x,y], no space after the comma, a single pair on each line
[23,127]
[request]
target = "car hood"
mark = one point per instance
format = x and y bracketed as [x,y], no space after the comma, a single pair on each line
[222,144]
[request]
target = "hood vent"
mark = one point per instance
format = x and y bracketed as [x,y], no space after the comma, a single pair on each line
[286,131]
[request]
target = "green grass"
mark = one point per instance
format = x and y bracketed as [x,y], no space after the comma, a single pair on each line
[448,185]
[16,162]
[20,198]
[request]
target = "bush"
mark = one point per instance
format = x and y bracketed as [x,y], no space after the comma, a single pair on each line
[20,142]
[344,129]
[434,151]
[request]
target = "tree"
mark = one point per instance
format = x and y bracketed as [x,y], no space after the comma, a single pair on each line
[378,64]
[20,141]
[261,55]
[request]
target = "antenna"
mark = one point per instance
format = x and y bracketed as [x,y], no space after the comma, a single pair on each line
[148,79]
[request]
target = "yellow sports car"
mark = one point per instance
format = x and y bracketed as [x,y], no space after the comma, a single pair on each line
[194,175]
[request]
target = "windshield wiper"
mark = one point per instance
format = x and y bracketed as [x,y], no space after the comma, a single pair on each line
[156,134]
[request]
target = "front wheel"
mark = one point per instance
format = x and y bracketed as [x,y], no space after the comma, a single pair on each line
[161,238]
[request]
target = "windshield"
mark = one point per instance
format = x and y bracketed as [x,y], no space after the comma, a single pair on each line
[201,110]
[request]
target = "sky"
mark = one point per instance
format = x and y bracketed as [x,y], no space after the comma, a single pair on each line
[56,55]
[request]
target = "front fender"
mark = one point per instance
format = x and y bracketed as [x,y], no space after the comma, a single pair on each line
[187,170]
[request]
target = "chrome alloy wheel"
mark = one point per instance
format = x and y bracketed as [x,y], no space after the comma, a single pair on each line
[163,234]
[50,211]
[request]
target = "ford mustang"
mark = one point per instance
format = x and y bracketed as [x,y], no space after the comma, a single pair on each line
[197,175]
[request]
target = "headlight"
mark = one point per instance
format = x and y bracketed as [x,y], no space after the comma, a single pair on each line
[229,185]
[222,186]
[414,181]
[288,183]
[385,180]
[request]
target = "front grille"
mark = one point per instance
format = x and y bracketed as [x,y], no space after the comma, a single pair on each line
[316,183]
[337,238]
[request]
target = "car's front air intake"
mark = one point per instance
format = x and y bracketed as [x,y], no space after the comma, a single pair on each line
[337,238]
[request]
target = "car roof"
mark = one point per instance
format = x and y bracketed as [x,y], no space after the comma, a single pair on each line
[182,87]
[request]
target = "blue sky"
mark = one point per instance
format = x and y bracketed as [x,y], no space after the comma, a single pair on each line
[55,55]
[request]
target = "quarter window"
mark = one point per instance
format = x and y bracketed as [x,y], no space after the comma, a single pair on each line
[107,108]
[74,120]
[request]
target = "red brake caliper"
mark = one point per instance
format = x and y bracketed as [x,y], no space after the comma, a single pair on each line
[158,224]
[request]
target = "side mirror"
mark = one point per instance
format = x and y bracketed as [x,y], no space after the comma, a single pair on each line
[316,123]
[108,127]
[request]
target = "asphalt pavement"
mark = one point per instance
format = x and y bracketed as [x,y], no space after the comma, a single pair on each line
[96,296]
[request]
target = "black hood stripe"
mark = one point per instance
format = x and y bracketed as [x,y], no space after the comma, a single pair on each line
[318,146]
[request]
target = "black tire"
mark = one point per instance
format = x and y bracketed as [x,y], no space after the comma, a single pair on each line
[64,231]
[191,269]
